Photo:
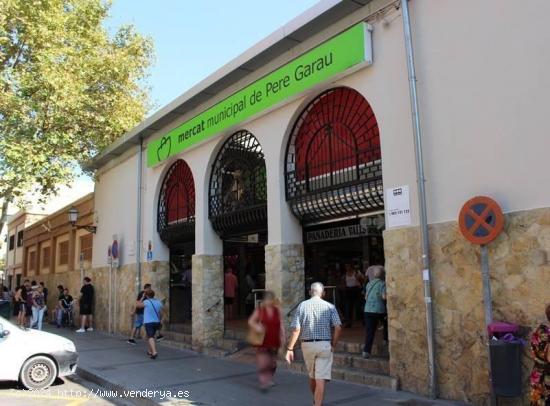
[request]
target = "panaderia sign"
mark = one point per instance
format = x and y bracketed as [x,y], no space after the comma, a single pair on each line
[337,233]
[346,50]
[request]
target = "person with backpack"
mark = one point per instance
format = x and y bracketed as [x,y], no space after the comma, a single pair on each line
[152,317]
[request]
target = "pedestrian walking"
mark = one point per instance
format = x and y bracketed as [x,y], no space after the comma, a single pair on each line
[375,309]
[152,317]
[230,287]
[137,314]
[38,307]
[540,375]
[86,305]
[312,323]
[266,323]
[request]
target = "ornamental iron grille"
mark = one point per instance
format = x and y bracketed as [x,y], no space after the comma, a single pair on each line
[333,160]
[238,188]
[176,207]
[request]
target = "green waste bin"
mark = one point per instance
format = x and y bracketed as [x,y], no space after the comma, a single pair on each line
[5,309]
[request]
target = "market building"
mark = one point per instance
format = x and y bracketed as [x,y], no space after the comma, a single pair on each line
[297,159]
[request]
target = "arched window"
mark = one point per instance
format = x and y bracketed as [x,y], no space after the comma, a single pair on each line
[238,190]
[176,210]
[333,161]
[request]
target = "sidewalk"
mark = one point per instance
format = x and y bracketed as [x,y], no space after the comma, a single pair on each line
[112,363]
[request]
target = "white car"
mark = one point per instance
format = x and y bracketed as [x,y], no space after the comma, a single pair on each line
[34,358]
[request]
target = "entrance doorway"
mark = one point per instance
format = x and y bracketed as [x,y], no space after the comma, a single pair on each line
[245,257]
[345,248]
[176,227]
[238,212]
[180,295]
[334,187]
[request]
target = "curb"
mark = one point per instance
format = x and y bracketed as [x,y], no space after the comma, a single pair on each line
[108,385]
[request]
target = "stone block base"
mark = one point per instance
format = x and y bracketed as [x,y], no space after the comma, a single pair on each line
[520,276]
[208,309]
[284,267]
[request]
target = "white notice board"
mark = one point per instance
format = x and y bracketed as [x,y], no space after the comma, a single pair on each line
[398,206]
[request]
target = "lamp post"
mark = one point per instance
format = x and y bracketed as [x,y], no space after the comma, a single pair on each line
[73,218]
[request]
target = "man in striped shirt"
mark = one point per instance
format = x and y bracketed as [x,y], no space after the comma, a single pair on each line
[313,323]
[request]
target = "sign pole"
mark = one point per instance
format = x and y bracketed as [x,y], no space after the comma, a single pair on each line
[488,307]
[481,221]
[110,294]
[487,298]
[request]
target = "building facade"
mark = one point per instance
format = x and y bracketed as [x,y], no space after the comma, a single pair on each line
[57,252]
[298,158]
[15,257]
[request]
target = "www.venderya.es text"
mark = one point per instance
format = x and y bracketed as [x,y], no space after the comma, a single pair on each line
[119,394]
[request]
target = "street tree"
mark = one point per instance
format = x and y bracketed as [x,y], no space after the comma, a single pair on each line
[69,86]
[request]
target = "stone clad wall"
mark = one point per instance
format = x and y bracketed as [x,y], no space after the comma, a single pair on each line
[520,276]
[284,265]
[207,300]
[155,273]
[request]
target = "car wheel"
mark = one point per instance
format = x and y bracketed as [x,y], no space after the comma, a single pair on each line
[38,372]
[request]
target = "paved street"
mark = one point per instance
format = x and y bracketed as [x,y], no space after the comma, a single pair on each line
[190,378]
[73,391]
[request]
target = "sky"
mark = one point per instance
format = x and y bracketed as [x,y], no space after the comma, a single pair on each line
[193,38]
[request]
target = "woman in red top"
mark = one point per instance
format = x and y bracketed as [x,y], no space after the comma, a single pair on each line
[267,317]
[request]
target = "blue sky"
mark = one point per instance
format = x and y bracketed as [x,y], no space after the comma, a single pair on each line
[193,38]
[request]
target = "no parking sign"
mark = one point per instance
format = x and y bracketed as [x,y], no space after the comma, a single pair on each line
[481,220]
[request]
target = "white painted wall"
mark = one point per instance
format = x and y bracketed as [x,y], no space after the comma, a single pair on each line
[483,85]
[116,208]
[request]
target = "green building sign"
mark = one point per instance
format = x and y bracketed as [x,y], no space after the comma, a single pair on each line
[348,49]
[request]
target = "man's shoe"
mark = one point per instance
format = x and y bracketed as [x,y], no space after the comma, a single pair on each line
[160,337]
[80,330]
[90,329]
[131,341]
[365,355]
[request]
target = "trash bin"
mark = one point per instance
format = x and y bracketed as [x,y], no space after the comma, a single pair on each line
[506,367]
[5,309]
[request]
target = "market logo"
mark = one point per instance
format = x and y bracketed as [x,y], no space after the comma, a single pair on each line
[163,150]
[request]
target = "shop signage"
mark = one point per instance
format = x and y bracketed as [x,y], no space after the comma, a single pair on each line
[337,233]
[346,50]
[398,206]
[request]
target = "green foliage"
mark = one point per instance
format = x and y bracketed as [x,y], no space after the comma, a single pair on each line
[67,89]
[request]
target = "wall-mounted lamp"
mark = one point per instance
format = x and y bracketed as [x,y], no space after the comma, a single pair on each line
[73,218]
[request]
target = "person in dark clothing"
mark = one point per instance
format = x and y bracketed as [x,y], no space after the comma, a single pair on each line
[86,304]
[28,302]
[20,298]
[45,292]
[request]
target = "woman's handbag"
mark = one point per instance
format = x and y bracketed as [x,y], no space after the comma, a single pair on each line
[255,337]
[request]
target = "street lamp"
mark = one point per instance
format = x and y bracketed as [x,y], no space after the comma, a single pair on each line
[73,218]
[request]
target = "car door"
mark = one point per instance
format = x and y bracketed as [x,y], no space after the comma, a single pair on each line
[13,350]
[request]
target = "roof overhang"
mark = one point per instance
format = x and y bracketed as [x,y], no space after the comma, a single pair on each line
[298,30]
